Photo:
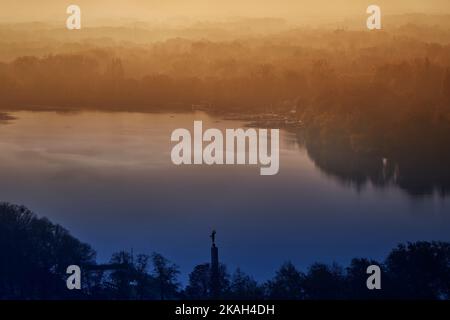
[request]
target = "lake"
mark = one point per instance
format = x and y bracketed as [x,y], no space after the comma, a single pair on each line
[108,178]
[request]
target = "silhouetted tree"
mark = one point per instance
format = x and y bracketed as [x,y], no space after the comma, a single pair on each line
[419,270]
[199,282]
[165,274]
[199,286]
[244,287]
[146,284]
[288,284]
[323,282]
[122,277]
[35,255]
[356,280]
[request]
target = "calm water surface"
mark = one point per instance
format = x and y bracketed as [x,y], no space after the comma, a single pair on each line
[108,178]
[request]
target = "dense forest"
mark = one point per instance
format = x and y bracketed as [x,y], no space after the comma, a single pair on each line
[36,253]
[377,100]
[362,74]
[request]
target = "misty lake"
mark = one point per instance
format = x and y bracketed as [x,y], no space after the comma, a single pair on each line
[108,178]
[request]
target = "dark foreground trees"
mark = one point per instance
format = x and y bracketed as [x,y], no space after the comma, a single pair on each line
[35,254]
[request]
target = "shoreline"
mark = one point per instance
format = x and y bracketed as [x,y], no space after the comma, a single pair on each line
[5,117]
[253,120]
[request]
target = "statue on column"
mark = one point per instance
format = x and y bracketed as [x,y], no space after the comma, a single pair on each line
[213,238]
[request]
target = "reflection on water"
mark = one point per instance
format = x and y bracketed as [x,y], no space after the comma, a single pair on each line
[419,175]
[108,178]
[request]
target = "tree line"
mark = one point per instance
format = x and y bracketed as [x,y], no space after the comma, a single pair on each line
[35,254]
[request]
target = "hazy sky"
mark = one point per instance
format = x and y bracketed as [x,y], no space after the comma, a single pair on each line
[42,10]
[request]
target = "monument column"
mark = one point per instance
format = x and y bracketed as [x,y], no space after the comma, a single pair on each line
[215,282]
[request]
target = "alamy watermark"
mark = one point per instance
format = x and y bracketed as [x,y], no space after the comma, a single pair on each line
[73,22]
[234,146]
[74,279]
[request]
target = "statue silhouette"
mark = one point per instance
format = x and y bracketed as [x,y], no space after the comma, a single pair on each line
[213,238]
